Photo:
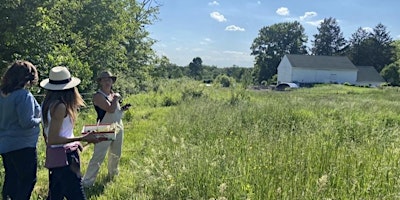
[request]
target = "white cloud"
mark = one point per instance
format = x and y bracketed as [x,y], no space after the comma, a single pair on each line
[283,11]
[206,41]
[259,2]
[234,28]
[218,16]
[214,3]
[235,52]
[315,23]
[368,29]
[308,15]
[398,36]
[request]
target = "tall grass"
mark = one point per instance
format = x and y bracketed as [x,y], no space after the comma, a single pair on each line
[185,141]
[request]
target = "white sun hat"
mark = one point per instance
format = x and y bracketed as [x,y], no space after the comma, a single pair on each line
[59,79]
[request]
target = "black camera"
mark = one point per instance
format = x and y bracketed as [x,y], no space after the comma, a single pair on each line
[126,106]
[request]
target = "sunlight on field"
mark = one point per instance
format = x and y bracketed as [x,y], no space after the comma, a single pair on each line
[185,142]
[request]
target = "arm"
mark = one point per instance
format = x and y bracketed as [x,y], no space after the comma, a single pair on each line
[57,117]
[100,101]
[27,110]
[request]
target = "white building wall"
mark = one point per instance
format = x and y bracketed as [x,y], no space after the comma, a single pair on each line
[284,71]
[369,83]
[323,76]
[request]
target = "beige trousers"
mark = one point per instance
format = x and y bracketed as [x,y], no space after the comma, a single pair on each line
[114,149]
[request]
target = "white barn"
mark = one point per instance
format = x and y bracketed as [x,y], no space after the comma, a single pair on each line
[316,69]
[325,69]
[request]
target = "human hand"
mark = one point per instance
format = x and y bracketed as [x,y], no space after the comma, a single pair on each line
[90,137]
[116,96]
[126,106]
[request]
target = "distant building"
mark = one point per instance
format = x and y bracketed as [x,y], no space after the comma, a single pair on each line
[325,69]
[367,75]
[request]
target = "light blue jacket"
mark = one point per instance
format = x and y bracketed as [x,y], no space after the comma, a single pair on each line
[20,117]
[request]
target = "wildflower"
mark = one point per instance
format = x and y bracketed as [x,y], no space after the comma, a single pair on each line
[222,188]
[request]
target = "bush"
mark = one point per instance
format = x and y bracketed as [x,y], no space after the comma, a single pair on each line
[224,80]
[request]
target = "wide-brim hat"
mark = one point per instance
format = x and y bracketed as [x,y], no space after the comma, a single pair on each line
[59,79]
[106,74]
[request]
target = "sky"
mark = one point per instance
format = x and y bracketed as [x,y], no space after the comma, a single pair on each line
[221,32]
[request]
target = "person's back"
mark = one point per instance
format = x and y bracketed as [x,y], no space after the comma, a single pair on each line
[19,130]
[19,126]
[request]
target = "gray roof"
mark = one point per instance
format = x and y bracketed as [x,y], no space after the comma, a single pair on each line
[368,74]
[321,62]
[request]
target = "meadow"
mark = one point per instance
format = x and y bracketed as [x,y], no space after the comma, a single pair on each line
[184,140]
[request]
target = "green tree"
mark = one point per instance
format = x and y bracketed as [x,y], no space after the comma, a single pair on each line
[391,74]
[372,49]
[272,43]
[396,45]
[18,31]
[358,47]
[165,69]
[86,36]
[196,68]
[329,41]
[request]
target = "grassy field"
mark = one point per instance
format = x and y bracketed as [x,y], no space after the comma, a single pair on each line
[185,141]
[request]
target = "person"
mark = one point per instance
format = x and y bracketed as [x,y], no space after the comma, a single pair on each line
[19,130]
[107,105]
[59,113]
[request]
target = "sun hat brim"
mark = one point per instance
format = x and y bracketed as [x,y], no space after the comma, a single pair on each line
[49,86]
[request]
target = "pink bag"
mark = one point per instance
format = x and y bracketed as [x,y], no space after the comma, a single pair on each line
[55,157]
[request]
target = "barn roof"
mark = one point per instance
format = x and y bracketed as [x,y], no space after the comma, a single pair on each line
[368,73]
[321,62]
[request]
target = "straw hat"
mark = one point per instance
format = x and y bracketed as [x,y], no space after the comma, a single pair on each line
[59,79]
[106,74]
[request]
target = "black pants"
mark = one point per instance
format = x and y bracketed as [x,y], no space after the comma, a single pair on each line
[20,168]
[66,181]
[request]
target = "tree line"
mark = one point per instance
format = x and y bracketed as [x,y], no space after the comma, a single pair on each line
[363,48]
[92,35]
[87,36]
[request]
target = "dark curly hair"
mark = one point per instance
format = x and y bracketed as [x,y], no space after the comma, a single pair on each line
[18,75]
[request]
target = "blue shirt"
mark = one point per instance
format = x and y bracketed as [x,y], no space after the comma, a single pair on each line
[20,117]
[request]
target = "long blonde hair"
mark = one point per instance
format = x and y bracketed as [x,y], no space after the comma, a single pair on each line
[70,97]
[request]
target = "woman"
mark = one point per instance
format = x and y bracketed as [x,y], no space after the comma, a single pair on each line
[60,108]
[19,130]
[106,103]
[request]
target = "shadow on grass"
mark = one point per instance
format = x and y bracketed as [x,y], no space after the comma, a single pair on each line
[98,188]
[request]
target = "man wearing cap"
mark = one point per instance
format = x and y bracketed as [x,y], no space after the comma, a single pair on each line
[108,109]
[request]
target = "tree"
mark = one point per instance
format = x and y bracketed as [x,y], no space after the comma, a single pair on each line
[372,49]
[196,68]
[391,74]
[272,43]
[329,41]
[18,38]
[358,47]
[396,45]
[165,69]
[86,36]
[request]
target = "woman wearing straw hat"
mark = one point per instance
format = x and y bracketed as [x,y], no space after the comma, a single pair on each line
[19,130]
[60,108]
[107,106]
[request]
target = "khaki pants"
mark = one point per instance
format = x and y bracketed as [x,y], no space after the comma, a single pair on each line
[114,149]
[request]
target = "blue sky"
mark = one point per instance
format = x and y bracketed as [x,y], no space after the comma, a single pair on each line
[221,32]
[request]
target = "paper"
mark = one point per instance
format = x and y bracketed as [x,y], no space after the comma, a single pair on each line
[101,131]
